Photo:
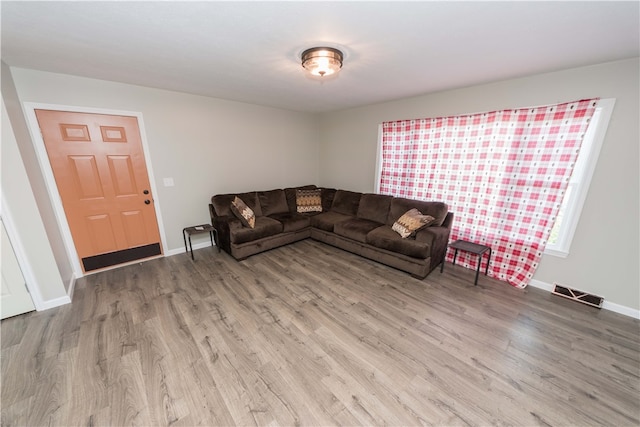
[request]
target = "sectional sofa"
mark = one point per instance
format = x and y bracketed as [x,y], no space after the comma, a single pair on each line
[362,223]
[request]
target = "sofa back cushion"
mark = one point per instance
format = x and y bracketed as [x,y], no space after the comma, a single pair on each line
[346,202]
[327,198]
[374,207]
[399,206]
[222,203]
[273,202]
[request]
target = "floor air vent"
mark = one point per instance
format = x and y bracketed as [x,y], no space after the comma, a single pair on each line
[576,295]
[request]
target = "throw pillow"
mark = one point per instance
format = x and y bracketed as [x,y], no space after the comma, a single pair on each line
[243,212]
[309,200]
[410,222]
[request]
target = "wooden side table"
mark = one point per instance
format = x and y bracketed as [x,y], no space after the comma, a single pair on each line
[197,229]
[473,248]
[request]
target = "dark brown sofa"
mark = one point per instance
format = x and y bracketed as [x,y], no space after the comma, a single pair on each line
[357,222]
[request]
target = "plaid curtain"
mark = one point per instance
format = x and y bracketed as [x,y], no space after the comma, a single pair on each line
[503,174]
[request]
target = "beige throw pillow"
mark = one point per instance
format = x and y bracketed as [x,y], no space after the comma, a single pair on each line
[243,212]
[309,200]
[410,222]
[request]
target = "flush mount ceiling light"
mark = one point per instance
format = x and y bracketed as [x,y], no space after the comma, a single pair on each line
[322,61]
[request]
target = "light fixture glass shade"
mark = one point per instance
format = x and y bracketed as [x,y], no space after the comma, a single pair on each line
[322,61]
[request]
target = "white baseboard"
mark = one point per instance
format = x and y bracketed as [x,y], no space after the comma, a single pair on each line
[180,250]
[71,287]
[57,302]
[621,309]
[53,303]
[541,285]
[606,305]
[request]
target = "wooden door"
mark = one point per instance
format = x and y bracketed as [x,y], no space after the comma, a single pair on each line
[14,298]
[101,175]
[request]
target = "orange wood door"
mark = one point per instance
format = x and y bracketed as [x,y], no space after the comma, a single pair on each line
[102,178]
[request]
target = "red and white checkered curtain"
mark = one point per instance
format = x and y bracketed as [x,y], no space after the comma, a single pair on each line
[503,174]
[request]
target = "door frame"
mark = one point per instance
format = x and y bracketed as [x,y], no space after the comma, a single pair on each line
[50,182]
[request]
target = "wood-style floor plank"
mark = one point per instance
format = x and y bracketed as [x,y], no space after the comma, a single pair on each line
[309,335]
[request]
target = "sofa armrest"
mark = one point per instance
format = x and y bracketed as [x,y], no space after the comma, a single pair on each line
[222,224]
[212,212]
[448,220]
[438,239]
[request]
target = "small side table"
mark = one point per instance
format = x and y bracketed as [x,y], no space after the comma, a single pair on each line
[473,248]
[197,229]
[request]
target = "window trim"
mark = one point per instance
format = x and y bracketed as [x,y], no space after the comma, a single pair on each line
[585,166]
[378,160]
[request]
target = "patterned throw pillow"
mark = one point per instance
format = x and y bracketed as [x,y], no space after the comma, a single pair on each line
[309,200]
[243,212]
[410,222]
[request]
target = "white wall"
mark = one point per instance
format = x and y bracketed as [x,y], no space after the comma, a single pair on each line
[206,145]
[43,275]
[605,253]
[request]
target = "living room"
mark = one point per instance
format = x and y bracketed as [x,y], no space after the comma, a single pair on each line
[211,145]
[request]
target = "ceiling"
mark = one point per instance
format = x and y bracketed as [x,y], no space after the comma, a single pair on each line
[250,51]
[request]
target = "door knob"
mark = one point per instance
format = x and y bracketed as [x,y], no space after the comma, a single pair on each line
[146,202]
[145,192]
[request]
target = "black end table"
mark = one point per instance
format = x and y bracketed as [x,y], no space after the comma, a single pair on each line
[197,229]
[473,248]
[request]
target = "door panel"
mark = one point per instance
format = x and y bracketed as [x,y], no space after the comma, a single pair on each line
[86,177]
[133,222]
[71,132]
[121,169]
[101,175]
[100,234]
[113,134]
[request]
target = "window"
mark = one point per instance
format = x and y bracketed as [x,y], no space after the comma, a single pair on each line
[504,173]
[567,220]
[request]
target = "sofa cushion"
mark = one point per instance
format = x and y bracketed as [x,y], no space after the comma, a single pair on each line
[245,214]
[264,227]
[399,206]
[290,194]
[273,202]
[356,228]
[385,238]
[327,198]
[410,222]
[374,207]
[292,222]
[346,202]
[327,220]
[222,203]
[309,200]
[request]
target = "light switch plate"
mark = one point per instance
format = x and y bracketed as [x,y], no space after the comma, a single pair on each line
[168,182]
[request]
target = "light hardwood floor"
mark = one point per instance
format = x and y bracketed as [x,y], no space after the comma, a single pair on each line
[311,335]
